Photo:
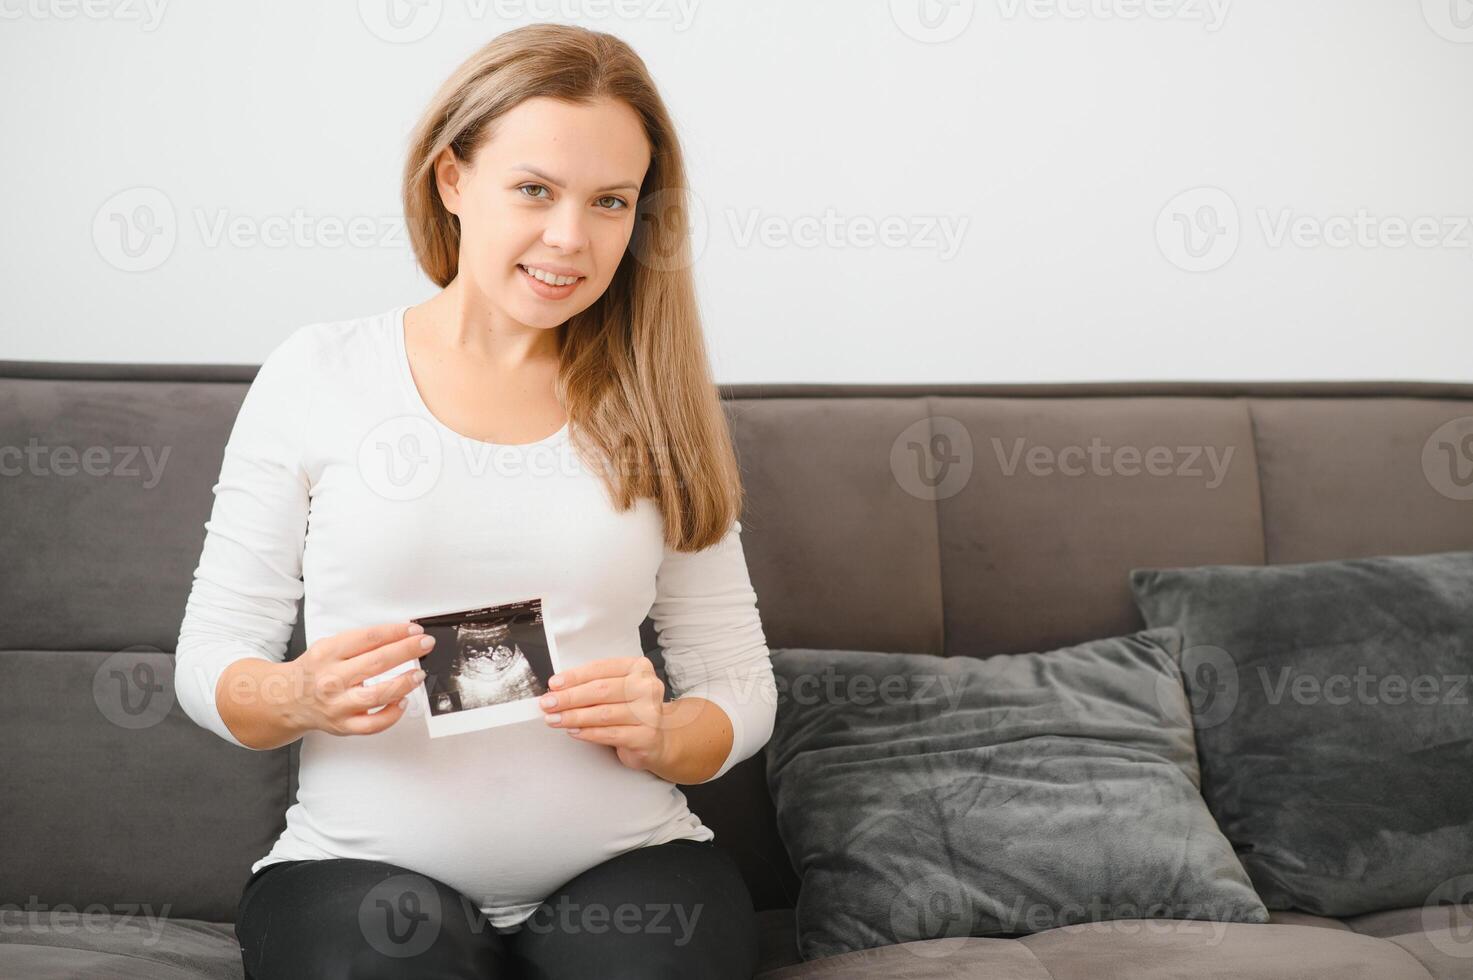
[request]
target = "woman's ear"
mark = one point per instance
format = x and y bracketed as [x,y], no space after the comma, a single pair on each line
[448,172]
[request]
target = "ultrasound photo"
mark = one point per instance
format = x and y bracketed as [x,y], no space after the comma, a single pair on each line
[489,666]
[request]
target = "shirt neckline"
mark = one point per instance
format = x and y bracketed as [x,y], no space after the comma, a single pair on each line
[406,377]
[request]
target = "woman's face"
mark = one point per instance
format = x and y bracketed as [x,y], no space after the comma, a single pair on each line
[554,188]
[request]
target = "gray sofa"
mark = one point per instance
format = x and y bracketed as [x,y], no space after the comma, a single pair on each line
[128,830]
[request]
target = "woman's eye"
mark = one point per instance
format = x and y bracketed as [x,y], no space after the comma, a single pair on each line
[618,204]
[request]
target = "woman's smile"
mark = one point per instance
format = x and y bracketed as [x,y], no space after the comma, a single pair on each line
[546,287]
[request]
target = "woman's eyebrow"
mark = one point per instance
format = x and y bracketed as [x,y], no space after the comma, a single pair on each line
[553,180]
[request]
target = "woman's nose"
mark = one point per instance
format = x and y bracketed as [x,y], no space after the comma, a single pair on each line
[565,229]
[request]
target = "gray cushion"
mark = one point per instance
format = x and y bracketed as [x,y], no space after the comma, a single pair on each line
[923,797]
[1331,702]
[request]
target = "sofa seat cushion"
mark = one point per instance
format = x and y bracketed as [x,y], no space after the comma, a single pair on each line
[1440,936]
[1153,949]
[69,945]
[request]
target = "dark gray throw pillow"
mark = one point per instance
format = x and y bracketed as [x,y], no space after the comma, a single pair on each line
[1331,701]
[924,797]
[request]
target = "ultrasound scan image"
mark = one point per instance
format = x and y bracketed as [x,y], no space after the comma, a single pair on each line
[492,669]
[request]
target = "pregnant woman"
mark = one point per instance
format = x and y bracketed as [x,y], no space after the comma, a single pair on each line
[545,426]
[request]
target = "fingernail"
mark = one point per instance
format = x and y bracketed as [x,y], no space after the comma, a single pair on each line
[426,642]
[556,680]
[550,701]
[554,718]
[419,675]
[415,629]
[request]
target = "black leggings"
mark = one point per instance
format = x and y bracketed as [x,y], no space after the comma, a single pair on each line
[678,909]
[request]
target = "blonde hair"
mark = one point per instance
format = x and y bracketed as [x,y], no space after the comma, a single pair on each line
[634,375]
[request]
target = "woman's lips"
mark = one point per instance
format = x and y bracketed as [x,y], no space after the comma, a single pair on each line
[545,290]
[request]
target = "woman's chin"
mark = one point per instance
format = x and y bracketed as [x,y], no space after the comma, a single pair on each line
[540,317]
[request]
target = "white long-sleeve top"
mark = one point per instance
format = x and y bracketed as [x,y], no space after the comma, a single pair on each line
[338,483]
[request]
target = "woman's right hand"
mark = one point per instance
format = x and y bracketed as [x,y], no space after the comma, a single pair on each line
[329,693]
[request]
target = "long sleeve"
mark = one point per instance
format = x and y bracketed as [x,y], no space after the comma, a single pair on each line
[705,614]
[248,581]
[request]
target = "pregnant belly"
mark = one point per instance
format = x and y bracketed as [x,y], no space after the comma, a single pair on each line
[504,815]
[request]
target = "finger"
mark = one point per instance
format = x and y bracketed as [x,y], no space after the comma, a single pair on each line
[382,659]
[350,643]
[599,715]
[621,736]
[638,681]
[600,690]
[369,724]
[367,696]
[605,667]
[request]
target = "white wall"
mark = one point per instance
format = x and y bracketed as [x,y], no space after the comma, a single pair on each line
[1057,140]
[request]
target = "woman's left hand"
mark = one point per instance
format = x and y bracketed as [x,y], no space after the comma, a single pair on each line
[615,701]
